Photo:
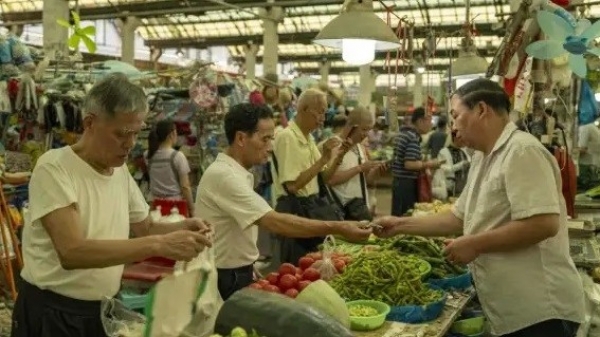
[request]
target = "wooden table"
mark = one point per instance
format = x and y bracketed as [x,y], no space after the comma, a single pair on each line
[437,328]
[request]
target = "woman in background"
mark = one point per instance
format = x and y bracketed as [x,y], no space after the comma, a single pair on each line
[168,169]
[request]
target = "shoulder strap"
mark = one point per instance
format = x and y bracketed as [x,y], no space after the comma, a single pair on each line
[276,166]
[363,181]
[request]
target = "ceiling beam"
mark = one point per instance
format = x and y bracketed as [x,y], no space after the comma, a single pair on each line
[442,53]
[304,37]
[378,69]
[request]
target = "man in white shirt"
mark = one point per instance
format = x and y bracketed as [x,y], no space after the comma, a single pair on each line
[514,221]
[227,200]
[83,204]
[589,157]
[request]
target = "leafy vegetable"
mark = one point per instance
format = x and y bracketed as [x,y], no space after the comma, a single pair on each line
[362,311]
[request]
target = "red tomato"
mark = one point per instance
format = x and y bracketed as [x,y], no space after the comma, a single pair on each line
[256,286]
[291,293]
[315,256]
[311,274]
[346,259]
[305,262]
[287,268]
[303,284]
[340,265]
[263,282]
[272,289]
[299,270]
[287,282]
[273,278]
[299,277]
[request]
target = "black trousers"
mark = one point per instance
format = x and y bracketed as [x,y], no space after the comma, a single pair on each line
[404,195]
[42,313]
[551,328]
[232,280]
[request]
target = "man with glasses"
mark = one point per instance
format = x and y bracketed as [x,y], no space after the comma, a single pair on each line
[83,205]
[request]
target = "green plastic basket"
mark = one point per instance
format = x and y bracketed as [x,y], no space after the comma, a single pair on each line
[369,323]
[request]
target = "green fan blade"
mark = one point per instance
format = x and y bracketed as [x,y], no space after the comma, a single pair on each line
[63,23]
[76,18]
[89,43]
[74,41]
[89,30]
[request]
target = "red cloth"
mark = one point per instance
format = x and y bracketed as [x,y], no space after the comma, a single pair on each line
[256,98]
[561,3]
[425,188]
[167,204]
[568,175]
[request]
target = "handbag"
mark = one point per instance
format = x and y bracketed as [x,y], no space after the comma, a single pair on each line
[356,208]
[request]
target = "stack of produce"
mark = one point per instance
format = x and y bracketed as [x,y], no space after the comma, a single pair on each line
[288,280]
[239,332]
[429,250]
[385,276]
[425,208]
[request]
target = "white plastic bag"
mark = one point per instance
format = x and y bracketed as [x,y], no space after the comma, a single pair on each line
[120,321]
[326,266]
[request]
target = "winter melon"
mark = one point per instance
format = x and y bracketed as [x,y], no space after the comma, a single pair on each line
[275,315]
[321,296]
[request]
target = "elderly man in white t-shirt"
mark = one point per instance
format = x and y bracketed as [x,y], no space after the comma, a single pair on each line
[83,206]
[226,198]
[589,156]
[349,182]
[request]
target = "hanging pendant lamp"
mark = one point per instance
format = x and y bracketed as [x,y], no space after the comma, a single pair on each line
[358,32]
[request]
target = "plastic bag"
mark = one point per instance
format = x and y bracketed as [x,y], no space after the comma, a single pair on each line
[120,321]
[326,266]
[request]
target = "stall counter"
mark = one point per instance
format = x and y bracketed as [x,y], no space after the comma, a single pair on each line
[437,328]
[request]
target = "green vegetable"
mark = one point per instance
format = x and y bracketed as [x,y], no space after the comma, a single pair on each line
[321,296]
[385,276]
[362,311]
[275,315]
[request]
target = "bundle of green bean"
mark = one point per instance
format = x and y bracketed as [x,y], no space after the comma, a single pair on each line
[429,250]
[384,276]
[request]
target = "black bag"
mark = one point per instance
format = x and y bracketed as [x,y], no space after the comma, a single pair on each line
[356,209]
[318,207]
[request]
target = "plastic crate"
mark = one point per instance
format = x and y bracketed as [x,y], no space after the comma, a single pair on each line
[132,300]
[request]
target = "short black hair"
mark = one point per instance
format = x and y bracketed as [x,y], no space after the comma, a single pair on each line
[418,113]
[244,117]
[484,90]
[442,122]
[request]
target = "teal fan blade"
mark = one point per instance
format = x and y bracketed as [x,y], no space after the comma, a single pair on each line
[562,39]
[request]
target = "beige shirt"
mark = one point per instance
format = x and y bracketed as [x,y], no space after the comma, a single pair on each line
[106,205]
[226,199]
[517,180]
[589,137]
[295,154]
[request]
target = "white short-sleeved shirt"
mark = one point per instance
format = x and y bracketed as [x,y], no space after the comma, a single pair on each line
[589,137]
[106,205]
[517,180]
[227,200]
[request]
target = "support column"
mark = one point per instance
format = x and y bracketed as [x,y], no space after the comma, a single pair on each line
[250,51]
[55,36]
[324,70]
[418,90]
[367,85]
[16,30]
[273,16]
[155,54]
[128,27]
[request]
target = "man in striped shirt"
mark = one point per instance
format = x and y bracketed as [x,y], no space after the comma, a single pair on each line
[407,162]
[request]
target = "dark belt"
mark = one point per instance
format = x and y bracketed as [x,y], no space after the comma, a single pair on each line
[60,302]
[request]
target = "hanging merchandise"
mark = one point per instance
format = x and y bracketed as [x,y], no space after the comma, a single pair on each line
[203,90]
[565,37]
[14,56]
[588,106]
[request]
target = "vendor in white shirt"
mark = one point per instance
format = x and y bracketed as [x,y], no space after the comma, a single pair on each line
[513,222]
[455,166]
[227,200]
[349,182]
[83,203]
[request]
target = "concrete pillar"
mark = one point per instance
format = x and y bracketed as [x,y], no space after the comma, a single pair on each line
[250,51]
[324,70]
[128,27]
[274,16]
[55,36]
[16,30]
[367,85]
[418,90]
[155,54]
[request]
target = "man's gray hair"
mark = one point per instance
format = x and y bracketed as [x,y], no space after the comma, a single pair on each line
[115,94]
[360,115]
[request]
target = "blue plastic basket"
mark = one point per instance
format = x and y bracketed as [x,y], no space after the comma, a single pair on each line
[414,314]
[459,283]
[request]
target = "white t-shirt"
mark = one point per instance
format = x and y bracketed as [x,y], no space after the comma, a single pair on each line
[589,137]
[106,204]
[227,200]
[351,189]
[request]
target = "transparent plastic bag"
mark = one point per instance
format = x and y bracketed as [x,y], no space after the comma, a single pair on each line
[120,321]
[326,266]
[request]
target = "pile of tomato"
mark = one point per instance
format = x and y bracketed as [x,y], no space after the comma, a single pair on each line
[291,280]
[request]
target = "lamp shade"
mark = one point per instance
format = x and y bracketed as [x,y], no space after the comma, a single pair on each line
[357,30]
[468,64]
